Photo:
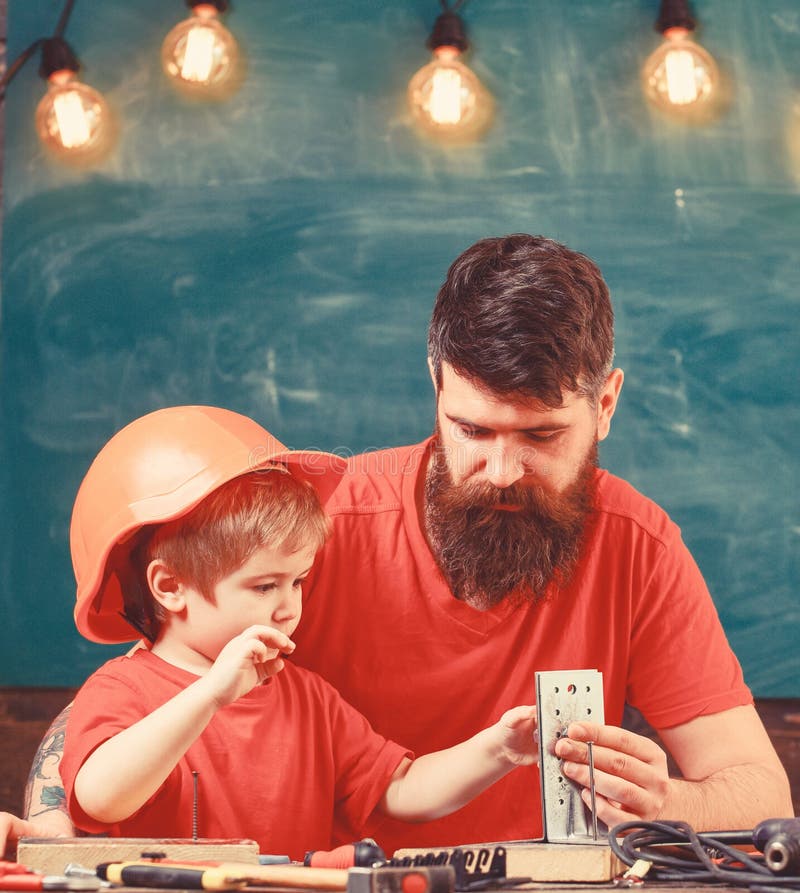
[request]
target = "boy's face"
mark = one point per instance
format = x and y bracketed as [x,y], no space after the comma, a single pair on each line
[266,589]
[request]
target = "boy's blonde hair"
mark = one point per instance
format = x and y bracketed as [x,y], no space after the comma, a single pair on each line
[269,507]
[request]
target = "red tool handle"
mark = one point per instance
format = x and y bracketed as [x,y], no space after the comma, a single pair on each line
[21,882]
[362,854]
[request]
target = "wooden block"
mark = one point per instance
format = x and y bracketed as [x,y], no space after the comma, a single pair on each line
[546,862]
[52,854]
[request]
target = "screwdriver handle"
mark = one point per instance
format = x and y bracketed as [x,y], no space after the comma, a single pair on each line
[167,876]
[362,854]
[21,882]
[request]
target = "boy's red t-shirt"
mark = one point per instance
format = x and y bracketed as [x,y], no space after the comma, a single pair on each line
[429,671]
[274,766]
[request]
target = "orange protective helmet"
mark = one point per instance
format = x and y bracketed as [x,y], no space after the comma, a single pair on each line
[156,469]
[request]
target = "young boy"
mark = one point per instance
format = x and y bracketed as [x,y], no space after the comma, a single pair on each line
[194,528]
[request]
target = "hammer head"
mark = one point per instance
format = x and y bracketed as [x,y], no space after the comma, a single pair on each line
[428,879]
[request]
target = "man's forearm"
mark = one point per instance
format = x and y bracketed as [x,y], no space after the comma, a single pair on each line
[44,792]
[733,776]
[737,797]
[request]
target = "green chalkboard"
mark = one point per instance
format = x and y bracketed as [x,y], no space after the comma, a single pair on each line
[279,255]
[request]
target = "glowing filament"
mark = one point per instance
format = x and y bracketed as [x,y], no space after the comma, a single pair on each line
[680,76]
[445,99]
[71,119]
[198,57]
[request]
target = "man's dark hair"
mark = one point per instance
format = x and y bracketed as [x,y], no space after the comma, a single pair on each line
[522,314]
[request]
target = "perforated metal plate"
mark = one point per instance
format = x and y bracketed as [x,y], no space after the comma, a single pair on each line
[562,697]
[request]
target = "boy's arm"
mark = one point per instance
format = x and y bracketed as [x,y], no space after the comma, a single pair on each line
[147,751]
[151,748]
[439,783]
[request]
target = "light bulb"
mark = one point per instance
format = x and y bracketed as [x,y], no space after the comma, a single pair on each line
[73,120]
[446,98]
[200,55]
[680,76]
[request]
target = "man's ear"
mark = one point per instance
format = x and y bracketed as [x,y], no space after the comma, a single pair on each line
[432,372]
[165,586]
[607,402]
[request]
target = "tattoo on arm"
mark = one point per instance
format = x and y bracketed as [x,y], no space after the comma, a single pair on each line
[44,791]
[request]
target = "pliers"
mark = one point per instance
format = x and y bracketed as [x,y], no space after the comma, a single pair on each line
[14,876]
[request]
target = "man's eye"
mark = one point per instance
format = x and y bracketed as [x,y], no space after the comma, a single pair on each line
[265,587]
[467,432]
[542,436]
[298,583]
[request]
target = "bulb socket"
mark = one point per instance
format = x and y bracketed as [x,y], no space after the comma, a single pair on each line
[674,14]
[57,56]
[448,31]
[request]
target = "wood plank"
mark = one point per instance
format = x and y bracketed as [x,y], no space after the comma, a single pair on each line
[52,854]
[544,862]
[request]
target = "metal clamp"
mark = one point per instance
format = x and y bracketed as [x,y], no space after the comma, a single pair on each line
[562,697]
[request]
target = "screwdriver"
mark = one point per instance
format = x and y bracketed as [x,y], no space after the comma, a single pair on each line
[155,874]
[364,853]
[166,873]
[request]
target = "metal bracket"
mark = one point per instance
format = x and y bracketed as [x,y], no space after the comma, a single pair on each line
[562,697]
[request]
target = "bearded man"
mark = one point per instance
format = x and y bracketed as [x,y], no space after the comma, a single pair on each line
[497,548]
[460,566]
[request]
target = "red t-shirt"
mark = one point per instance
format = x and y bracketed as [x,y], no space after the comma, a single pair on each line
[274,766]
[381,625]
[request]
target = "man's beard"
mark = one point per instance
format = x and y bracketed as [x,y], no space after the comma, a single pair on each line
[487,554]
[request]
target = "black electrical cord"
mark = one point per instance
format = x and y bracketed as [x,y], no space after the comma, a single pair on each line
[26,54]
[676,852]
[448,8]
[63,19]
[18,63]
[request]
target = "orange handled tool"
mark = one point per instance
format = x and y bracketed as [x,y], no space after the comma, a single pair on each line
[219,875]
[362,854]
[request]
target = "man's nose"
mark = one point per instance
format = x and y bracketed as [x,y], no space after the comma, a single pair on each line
[505,465]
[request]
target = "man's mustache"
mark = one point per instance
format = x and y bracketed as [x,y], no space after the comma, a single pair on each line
[526,499]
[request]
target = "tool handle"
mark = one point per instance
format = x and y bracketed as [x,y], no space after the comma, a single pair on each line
[21,882]
[362,854]
[341,857]
[223,875]
[288,875]
[167,876]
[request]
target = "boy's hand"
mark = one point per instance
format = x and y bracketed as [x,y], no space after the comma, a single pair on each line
[246,661]
[518,741]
